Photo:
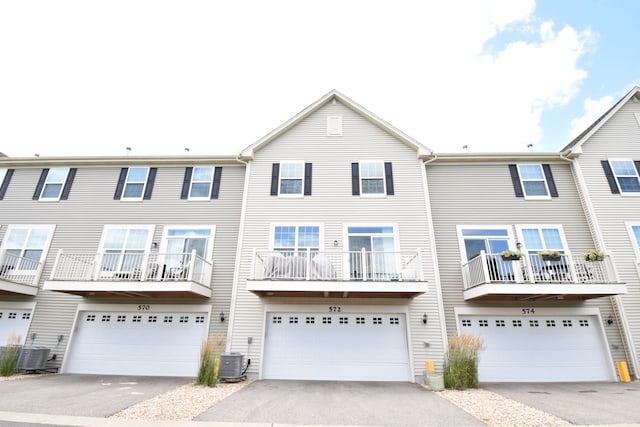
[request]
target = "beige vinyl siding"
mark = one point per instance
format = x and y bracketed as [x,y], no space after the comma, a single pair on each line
[481,193]
[332,205]
[618,138]
[80,222]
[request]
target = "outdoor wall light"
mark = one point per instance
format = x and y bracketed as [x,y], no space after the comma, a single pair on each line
[425,318]
[335,243]
[154,245]
[221,316]
[610,320]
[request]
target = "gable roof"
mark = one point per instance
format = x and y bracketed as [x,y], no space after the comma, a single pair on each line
[575,145]
[249,152]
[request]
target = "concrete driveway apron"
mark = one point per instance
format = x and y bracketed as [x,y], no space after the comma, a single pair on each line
[85,395]
[341,403]
[578,403]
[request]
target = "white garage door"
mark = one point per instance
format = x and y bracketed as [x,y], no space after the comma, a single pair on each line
[539,348]
[126,343]
[14,322]
[353,347]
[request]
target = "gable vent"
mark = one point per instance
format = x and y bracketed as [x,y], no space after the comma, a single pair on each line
[334,126]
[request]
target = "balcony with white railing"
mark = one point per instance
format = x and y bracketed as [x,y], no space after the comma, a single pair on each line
[489,276]
[131,274]
[335,273]
[19,275]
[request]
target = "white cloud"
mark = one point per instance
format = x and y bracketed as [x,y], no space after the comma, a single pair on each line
[90,78]
[593,109]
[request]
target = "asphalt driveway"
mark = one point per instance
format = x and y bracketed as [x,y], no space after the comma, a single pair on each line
[578,403]
[331,402]
[81,395]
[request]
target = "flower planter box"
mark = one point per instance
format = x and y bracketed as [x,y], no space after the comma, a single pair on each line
[549,258]
[511,258]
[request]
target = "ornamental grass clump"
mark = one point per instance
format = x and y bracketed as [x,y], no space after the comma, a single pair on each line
[461,363]
[210,351]
[9,359]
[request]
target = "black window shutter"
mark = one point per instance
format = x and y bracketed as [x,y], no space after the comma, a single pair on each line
[515,179]
[550,182]
[613,185]
[186,183]
[151,179]
[120,186]
[43,178]
[388,175]
[68,183]
[275,175]
[215,189]
[5,183]
[307,179]
[355,179]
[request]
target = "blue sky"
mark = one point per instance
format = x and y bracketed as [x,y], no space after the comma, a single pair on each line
[612,64]
[81,77]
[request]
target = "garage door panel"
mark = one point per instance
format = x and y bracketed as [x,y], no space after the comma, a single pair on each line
[336,347]
[163,344]
[539,348]
[14,322]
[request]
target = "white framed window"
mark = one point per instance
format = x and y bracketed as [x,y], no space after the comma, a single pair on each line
[537,238]
[533,181]
[124,247]
[291,178]
[135,183]
[373,251]
[179,242]
[25,247]
[491,239]
[626,175]
[54,183]
[3,173]
[296,238]
[201,182]
[634,235]
[372,178]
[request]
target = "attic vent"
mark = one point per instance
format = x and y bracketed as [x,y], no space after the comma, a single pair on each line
[334,125]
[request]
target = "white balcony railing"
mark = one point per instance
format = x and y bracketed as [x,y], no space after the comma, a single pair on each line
[337,266]
[491,268]
[21,270]
[145,267]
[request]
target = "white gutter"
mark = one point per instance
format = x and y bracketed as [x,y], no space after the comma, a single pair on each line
[434,254]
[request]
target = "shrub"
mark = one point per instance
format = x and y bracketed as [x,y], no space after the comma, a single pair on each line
[9,360]
[210,351]
[593,255]
[461,363]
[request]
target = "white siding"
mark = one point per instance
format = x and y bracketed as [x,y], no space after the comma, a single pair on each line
[79,224]
[481,193]
[618,137]
[333,205]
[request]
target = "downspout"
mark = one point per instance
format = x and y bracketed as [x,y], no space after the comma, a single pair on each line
[434,253]
[236,270]
[616,301]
